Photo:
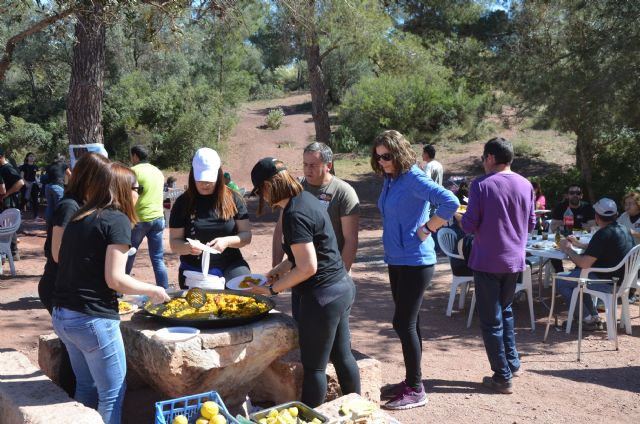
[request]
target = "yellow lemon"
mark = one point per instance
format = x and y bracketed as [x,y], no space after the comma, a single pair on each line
[218,419]
[202,421]
[180,419]
[209,409]
[293,411]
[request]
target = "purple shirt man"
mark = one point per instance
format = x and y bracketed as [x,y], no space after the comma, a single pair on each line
[500,213]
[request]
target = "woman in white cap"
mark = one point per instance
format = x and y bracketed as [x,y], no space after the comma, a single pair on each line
[212,213]
[315,272]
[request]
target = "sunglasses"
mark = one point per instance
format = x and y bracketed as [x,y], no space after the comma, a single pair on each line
[575,193]
[385,157]
[138,189]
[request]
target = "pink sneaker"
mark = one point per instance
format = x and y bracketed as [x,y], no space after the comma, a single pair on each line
[409,398]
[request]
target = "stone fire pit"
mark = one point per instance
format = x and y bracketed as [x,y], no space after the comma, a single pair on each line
[226,360]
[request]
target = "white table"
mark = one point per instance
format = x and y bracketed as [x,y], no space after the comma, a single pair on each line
[546,252]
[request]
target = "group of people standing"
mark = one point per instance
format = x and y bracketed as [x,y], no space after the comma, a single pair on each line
[314,247]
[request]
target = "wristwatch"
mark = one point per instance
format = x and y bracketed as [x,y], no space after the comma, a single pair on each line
[272,291]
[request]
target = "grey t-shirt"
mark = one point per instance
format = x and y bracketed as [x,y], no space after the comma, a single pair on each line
[339,198]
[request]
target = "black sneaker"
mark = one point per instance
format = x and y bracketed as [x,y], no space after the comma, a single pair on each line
[505,388]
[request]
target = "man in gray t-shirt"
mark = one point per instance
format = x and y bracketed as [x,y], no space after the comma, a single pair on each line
[337,196]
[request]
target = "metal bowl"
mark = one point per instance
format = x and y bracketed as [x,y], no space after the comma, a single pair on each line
[214,322]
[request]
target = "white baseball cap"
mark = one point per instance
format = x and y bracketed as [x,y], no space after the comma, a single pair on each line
[206,164]
[605,207]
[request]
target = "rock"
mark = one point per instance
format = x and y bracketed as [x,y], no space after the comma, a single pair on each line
[225,360]
[28,396]
[282,381]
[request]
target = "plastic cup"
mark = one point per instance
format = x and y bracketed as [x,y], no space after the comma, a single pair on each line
[545,236]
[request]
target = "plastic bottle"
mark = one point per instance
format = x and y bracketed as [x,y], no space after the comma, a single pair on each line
[567,220]
[540,225]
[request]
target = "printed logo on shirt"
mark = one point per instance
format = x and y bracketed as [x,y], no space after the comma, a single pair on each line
[325,199]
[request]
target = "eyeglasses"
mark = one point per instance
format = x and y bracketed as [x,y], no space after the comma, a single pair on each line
[385,157]
[575,193]
[138,189]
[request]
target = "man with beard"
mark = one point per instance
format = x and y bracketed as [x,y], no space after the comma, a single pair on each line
[583,215]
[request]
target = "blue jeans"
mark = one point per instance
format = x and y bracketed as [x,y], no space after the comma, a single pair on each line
[494,296]
[565,288]
[153,231]
[97,356]
[53,193]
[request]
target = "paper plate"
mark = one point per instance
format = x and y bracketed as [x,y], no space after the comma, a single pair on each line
[176,334]
[234,283]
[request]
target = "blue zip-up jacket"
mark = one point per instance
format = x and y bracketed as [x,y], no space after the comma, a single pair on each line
[404,205]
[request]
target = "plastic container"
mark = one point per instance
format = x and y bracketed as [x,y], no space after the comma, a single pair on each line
[304,412]
[189,406]
[196,279]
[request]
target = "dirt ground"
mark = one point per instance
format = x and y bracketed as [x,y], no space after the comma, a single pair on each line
[553,388]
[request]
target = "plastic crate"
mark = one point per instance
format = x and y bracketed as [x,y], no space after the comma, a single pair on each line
[189,406]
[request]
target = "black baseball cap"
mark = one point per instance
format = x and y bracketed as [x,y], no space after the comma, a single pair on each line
[263,170]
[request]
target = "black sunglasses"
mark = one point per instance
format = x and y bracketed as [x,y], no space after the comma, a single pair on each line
[577,193]
[138,189]
[385,157]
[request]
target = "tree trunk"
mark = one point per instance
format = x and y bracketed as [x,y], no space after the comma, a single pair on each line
[584,158]
[86,89]
[318,92]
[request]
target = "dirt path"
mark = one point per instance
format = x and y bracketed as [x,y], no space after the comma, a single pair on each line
[554,388]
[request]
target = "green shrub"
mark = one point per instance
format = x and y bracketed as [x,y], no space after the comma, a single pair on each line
[343,141]
[410,104]
[266,92]
[524,149]
[274,118]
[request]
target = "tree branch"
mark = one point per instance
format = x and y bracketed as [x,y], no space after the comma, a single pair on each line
[5,63]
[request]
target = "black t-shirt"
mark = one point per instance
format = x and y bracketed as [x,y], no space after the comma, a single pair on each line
[61,217]
[609,245]
[56,172]
[80,283]
[205,225]
[10,175]
[583,213]
[305,220]
[29,171]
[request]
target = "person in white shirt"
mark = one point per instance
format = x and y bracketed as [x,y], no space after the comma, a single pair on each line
[432,167]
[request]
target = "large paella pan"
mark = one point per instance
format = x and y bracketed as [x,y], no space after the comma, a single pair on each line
[223,308]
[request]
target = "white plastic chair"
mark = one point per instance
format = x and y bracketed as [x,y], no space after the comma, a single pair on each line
[9,224]
[447,242]
[526,285]
[631,263]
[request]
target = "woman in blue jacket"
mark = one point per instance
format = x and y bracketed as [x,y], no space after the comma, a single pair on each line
[409,251]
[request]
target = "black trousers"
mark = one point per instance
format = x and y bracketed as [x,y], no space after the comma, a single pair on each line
[324,334]
[408,284]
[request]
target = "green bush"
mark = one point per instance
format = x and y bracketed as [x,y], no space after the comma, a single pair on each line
[274,118]
[409,104]
[343,141]
[266,92]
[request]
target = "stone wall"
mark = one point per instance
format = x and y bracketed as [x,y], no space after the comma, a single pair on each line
[28,396]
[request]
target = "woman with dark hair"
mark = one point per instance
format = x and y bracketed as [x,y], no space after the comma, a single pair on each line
[541,201]
[91,271]
[212,213]
[315,272]
[82,178]
[29,191]
[408,232]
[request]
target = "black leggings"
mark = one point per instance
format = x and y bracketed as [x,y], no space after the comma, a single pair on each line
[408,284]
[323,335]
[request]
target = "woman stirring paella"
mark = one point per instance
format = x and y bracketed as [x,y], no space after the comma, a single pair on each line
[314,270]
